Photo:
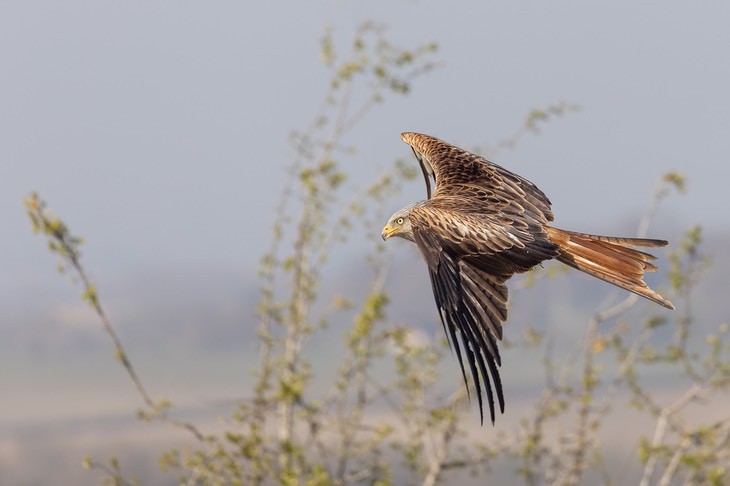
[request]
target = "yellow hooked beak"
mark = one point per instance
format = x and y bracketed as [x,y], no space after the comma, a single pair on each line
[388,232]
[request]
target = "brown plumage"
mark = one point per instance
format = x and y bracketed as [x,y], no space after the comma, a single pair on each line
[482,225]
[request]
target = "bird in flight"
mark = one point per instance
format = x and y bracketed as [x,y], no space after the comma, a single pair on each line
[483,224]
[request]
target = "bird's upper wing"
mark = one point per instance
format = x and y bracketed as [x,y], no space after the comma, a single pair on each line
[452,167]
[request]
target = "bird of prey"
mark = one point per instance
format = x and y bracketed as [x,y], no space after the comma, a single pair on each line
[483,224]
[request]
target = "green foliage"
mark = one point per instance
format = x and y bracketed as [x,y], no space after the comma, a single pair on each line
[60,240]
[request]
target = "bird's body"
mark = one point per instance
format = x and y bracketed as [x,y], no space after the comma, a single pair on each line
[482,225]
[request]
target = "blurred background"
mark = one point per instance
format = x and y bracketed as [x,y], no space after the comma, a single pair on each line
[159,131]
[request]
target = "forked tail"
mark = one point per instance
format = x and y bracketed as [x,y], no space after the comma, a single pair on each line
[610,259]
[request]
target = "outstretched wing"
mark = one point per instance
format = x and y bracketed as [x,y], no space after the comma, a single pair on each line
[469,259]
[453,168]
[472,304]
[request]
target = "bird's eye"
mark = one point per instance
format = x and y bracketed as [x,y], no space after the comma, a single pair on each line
[399,221]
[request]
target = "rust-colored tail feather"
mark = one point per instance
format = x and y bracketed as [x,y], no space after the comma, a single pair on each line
[610,259]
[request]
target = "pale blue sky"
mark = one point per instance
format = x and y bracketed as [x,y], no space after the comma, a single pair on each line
[158,130]
[143,123]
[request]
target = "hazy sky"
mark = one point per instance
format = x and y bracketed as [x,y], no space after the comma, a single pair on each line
[158,129]
[144,123]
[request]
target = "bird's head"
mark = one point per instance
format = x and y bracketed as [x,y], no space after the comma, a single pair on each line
[399,225]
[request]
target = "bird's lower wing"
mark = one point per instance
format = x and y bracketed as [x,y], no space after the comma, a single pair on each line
[473,305]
